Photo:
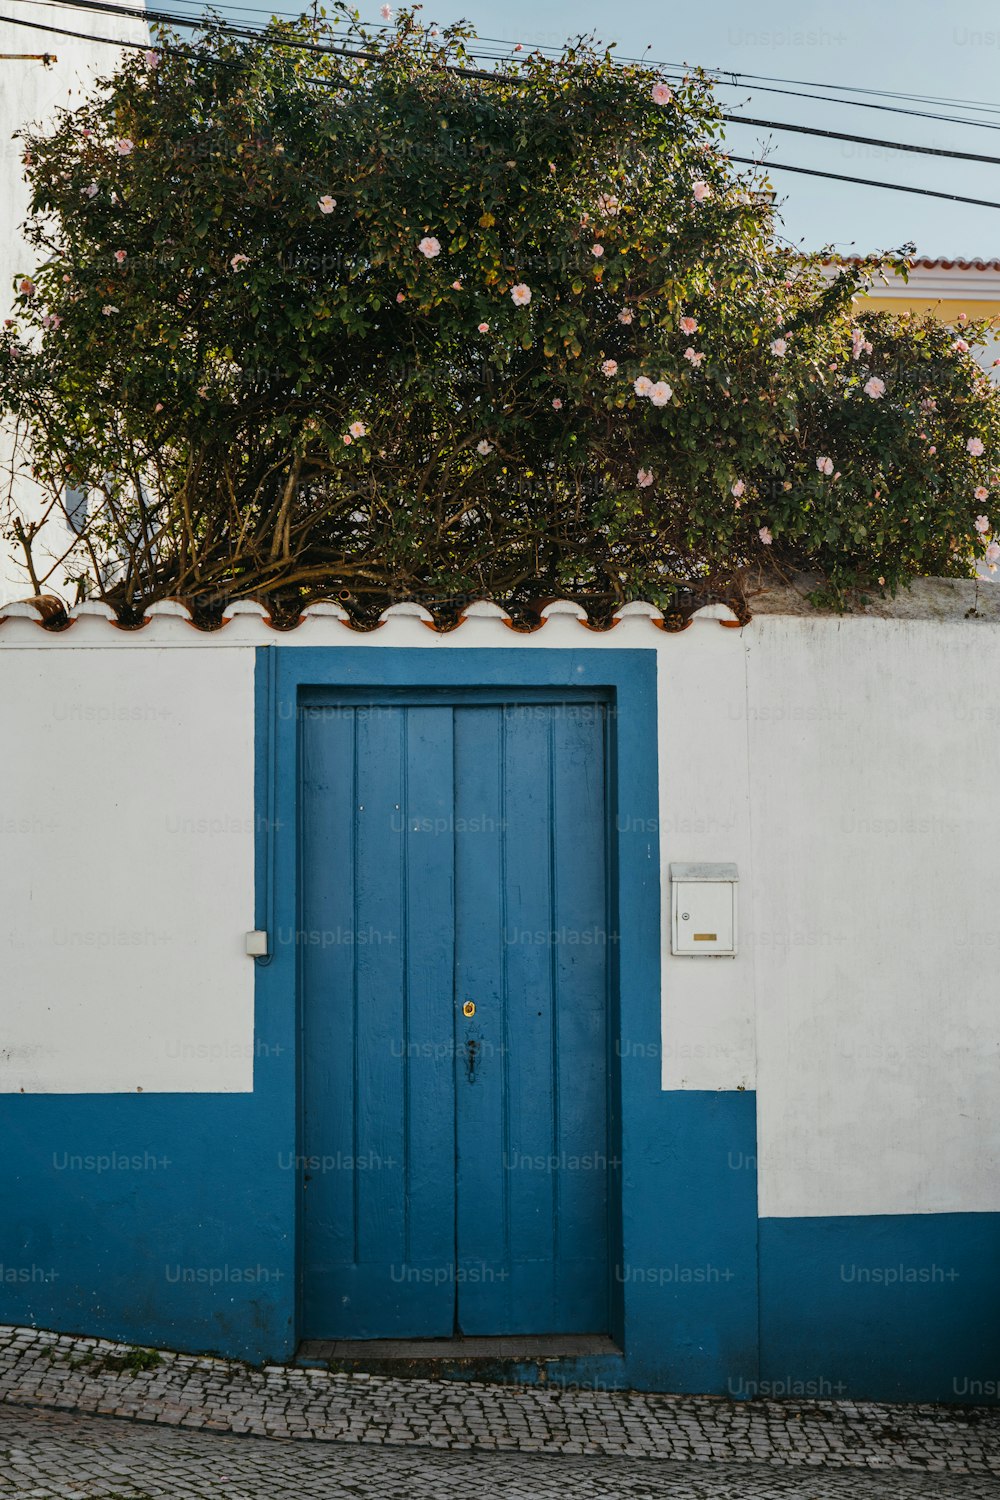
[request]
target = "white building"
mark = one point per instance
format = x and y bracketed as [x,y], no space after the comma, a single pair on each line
[80,48]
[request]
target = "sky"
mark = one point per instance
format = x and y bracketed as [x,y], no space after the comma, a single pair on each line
[943,48]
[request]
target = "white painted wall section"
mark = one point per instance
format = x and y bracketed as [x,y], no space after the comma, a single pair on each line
[708,1003]
[126,880]
[873,755]
[30,95]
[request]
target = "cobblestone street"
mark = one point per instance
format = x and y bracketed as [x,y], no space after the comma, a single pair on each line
[82,1418]
[51,1454]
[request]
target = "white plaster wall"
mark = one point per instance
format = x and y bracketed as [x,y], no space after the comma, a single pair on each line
[708,1003]
[873,759]
[126,875]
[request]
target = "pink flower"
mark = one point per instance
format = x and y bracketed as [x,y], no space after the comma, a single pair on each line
[429,247]
[701,191]
[484,328]
[694,356]
[661,93]
[239,260]
[607,205]
[874,388]
[974,446]
[961,346]
[609,367]
[556,404]
[326,204]
[644,478]
[689,325]
[980,492]
[992,552]
[625,316]
[963,317]
[51,320]
[400,296]
[520,294]
[857,342]
[456,286]
[779,347]
[90,191]
[932,449]
[108,309]
[597,250]
[121,256]
[26,287]
[158,407]
[124,146]
[348,440]
[928,404]
[660,393]
[982,524]
[738,489]
[642,386]
[386,12]
[483,447]
[825,465]
[519,47]
[152,59]
[357,429]
[765,536]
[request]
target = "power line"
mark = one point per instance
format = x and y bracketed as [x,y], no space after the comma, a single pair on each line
[847,87]
[742,161]
[864,140]
[251,31]
[892,187]
[918,114]
[721,76]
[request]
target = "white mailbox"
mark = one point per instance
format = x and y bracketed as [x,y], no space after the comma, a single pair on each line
[703,910]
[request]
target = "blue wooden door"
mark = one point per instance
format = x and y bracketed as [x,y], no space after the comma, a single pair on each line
[456,953]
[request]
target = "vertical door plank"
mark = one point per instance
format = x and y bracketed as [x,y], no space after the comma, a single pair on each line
[378,1210]
[532,1130]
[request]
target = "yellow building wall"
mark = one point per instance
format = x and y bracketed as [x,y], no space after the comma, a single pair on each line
[945,308]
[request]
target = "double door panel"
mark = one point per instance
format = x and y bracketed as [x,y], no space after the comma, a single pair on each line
[456,953]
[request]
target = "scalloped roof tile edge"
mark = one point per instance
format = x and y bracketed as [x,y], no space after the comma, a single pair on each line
[94,616]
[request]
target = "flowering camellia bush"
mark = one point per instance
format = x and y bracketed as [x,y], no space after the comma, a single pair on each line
[330,312]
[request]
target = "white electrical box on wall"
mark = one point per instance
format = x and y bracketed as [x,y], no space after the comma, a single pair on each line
[703,910]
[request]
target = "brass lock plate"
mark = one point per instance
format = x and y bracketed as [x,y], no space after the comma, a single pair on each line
[469,1008]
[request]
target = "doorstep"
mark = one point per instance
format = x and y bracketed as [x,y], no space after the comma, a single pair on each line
[488,1358]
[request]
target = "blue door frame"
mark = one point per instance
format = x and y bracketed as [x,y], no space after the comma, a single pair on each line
[289,676]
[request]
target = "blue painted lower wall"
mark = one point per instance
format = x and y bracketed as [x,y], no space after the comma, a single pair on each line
[157,1219]
[169,1220]
[903,1307]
